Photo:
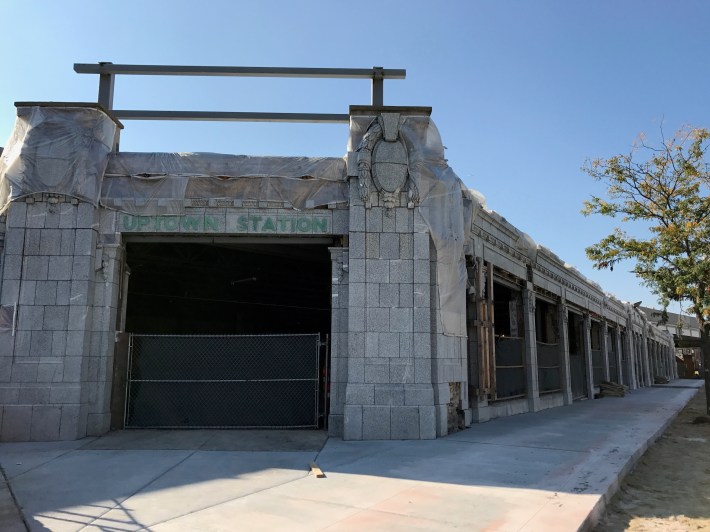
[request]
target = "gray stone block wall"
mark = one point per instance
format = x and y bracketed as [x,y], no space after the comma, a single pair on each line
[388,393]
[339,340]
[99,373]
[49,283]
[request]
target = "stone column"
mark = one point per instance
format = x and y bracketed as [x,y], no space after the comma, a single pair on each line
[619,369]
[338,339]
[105,310]
[664,360]
[605,342]
[588,355]
[631,358]
[645,357]
[389,392]
[653,360]
[532,382]
[641,368]
[480,410]
[565,374]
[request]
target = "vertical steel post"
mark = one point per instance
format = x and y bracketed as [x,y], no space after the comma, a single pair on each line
[378,77]
[106,83]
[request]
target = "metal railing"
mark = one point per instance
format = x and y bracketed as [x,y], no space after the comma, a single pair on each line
[223,381]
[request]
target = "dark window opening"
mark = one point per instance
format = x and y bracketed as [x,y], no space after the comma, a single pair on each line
[597,361]
[577,360]
[548,349]
[510,344]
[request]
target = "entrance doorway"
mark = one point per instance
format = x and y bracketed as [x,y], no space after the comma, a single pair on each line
[227,334]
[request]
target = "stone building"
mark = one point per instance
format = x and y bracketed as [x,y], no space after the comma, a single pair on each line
[373,295]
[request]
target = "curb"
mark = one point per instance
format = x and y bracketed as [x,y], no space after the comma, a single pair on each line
[599,508]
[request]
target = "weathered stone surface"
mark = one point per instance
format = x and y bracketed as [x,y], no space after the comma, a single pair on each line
[401,320]
[376,422]
[10,292]
[419,395]
[60,268]
[15,241]
[401,371]
[377,271]
[41,343]
[36,268]
[404,423]
[377,373]
[352,426]
[16,422]
[12,269]
[389,246]
[50,241]
[389,295]
[45,423]
[389,394]
[378,319]
[427,422]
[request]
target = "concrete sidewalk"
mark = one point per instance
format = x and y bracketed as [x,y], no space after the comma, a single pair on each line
[551,470]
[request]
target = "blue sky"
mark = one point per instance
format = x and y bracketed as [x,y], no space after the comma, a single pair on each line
[522,91]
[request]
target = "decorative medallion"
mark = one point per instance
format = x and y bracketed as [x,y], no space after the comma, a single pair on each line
[383,159]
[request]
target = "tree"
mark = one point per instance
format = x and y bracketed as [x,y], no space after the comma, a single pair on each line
[667,188]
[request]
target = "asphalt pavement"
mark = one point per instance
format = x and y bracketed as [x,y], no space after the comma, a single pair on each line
[544,471]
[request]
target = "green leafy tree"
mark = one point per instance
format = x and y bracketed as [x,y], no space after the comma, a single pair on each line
[665,187]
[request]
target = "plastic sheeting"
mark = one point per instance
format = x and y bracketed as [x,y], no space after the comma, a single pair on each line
[65,150]
[62,150]
[159,183]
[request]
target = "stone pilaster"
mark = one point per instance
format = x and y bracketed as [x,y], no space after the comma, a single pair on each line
[532,382]
[630,357]
[338,339]
[588,354]
[619,365]
[389,393]
[645,357]
[565,374]
[605,343]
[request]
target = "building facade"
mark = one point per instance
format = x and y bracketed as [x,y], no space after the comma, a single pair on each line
[373,295]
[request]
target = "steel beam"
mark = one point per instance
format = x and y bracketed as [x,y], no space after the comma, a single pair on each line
[231,116]
[274,72]
[378,75]
[106,84]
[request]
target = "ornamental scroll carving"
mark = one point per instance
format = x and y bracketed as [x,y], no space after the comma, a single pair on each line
[383,159]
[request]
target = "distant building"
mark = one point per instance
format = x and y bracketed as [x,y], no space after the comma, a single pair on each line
[686,338]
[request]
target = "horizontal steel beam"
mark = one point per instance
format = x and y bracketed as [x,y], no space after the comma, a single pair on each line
[274,72]
[231,117]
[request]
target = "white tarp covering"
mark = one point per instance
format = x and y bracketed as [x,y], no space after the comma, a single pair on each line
[62,150]
[158,183]
[66,150]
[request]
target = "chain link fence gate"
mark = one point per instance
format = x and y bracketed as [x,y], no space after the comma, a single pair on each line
[223,381]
